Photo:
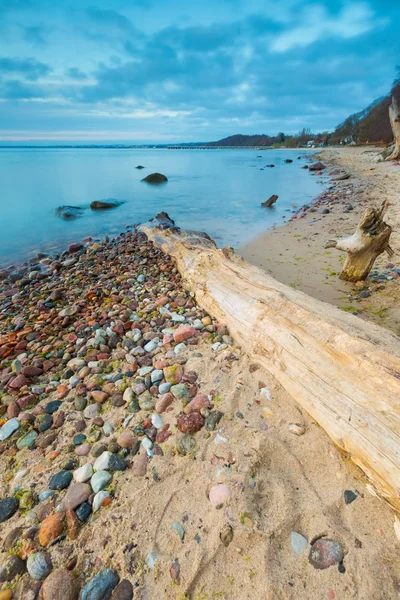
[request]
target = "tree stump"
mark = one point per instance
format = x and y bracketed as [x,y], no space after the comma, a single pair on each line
[271,200]
[394,116]
[370,239]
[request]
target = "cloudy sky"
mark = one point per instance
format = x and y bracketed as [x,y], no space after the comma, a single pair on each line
[189,70]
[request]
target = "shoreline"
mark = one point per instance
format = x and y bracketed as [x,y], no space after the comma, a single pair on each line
[100,358]
[294,252]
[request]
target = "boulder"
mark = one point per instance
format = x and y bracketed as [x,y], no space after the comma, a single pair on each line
[105,204]
[318,166]
[155,178]
[69,212]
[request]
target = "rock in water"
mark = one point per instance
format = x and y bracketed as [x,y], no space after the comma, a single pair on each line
[69,212]
[155,178]
[325,553]
[318,166]
[105,204]
[60,585]
[39,565]
[139,167]
[101,586]
[8,507]
[271,200]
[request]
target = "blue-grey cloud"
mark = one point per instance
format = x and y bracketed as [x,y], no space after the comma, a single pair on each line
[29,68]
[196,72]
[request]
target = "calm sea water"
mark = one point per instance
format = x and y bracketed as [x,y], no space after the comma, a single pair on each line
[217,191]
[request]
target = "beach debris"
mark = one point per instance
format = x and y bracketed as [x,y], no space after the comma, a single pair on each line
[226,534]
[271,200]
[325,553]
[219,494]
[151,560]
[370,239]
[299,543]
[296,428]
[342,177]
[179,530]
[394,116]
[155,178]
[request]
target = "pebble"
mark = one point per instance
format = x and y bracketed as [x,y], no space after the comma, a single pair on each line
[117,463]
[212,420]
[126,439]
[325,553]
[60,585]
[123,591]
[83,449]
[101,586]
[296,429]
[164,388]
[186,445]
[27,441]
[219,494]
[52,407]
[77,494]
[8,429]
[11,567]
[102,462]
[163,402]
[190,423]
[83,474]
[60,481]
[6,595]
[299,543]
[8,507]
[180,392]
[84,511]
[39,565]
[51,528]
[349,497]
[100,480]
[99,499]
[91,411]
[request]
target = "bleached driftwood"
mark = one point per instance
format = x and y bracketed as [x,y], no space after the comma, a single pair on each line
[394,116]
[343,371]
[370,239]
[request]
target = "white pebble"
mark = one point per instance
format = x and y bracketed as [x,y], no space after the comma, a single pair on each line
[102,462]
[83,474]
[98,500]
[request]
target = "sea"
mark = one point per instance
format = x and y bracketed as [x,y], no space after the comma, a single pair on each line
[218,191]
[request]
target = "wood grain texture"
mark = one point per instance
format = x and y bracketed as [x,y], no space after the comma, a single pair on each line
[343,371]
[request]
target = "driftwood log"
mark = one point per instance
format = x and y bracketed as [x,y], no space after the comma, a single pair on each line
[343,371]
[394,116]
[370,239]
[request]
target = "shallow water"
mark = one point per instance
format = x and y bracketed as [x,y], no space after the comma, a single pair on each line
[217,191]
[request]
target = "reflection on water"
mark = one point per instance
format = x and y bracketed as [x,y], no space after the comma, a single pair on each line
[218,191]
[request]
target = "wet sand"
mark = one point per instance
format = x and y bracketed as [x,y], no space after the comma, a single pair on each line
[295,252]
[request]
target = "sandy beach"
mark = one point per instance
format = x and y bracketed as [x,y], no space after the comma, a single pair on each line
[140,444]
[295,252]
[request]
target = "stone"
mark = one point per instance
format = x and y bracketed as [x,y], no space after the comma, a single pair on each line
[163,402]
[100,480]
[219,494]
[325,553]
[99,499]
[105,204]
[39,565]
[60,481]
[83,512]
[186,445]
[99,396]
[6,595]
[117,463]
[318,166]
[101,586]
[156,375]
[123,591]
[102,462]
[77,494]
[91,411]
[8,429]
[11,567]
[190,423]
[73,525]
[146,401]
[212,420]
[299,543]
[349,497]
[83,449]
[60,585]
[155,178]
[183,333]
[44,422]
[52,407]
[173,374]
[80,403]
[27,440]
[126,439]
[197,404]
[164,388]
[98,449]
[18,382]
[12,538]
[79,439]
[180,392]
[139,467]
[84,473]
[51,528]
[8,508]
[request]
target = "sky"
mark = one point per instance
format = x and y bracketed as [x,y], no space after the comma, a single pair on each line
[160,71]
